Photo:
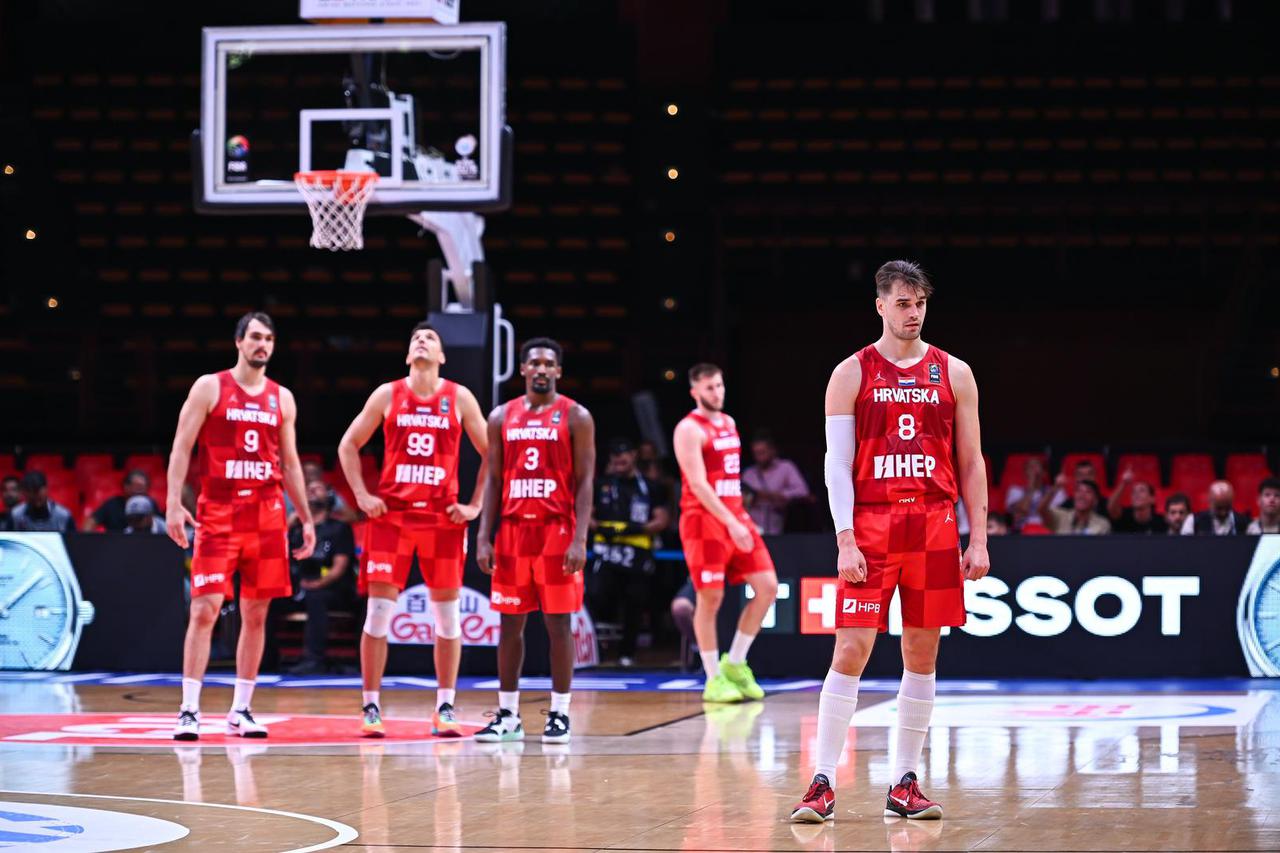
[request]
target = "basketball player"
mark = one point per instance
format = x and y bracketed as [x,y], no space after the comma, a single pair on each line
[721,542]
[245,425]
[542,460]
[416,509]
[905,407]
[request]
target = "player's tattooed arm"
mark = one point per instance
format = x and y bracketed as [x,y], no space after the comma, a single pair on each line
[582,429]
[841,400]
[292,470]
[473,424]
[492,492]
[200,401]
[972,469]
[356,437]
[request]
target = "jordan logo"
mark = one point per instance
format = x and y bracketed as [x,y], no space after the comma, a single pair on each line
[948,519]
[879,377]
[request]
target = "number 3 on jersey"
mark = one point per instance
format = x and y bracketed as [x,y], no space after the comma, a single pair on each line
[531,458]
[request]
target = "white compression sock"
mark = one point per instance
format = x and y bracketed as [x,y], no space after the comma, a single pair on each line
[191,694]
[711,663]
[445,696]
[509,701]
[243,695]
[836,704]
[370,697]
[915,707]
[560,702]
[741,643]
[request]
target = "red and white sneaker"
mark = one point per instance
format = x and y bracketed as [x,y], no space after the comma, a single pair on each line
[819,803]
[906,800]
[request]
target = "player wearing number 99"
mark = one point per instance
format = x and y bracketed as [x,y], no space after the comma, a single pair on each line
[897,413]
[542,461]
[245,426]
[416,509]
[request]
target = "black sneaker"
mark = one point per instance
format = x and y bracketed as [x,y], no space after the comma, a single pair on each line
[557,728]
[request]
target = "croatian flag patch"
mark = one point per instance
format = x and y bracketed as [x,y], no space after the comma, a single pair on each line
[906,381]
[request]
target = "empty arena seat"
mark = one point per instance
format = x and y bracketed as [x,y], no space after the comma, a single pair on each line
[1243,464]
[1246,483]
[1197,465]
[89,464]
[68,495]
[153,463]
[1070,460]
[8,465]
[45,462]
[1145,466]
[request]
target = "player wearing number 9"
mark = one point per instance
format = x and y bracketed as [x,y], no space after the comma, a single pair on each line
[244,423]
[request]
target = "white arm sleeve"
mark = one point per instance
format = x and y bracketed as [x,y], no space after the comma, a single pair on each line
[838,470]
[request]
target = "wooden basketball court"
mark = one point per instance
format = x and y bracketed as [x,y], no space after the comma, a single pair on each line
[1095,768]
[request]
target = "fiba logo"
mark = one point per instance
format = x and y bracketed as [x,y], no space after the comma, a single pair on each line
[237,147]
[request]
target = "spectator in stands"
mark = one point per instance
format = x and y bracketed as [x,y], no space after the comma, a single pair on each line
[1268,520]
[773,485]
[313,472]
[999,523]
[649,463]
[629,510]
[1064,496]
[682,607]
[141,517]
[1023,502]
[324,582]
[38,512]
[110,516]
[1177,509]
[1082,518]
[1140,516]
[10,496]
[1219,519]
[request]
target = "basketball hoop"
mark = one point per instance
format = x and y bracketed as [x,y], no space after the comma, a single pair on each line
[337,201]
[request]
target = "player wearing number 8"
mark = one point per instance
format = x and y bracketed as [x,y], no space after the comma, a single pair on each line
[415,511]
[245,425]
[721,542]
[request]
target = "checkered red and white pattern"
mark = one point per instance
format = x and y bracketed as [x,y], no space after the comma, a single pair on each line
[529,573]
[712,558]
[391,540]
[245,534]
[914,548]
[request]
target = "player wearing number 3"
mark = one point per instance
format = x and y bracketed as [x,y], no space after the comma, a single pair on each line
[897,413]
[245,425]
[416,510]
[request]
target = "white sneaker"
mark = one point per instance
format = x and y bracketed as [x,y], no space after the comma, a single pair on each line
[241,722]
[505,726]
[188,727]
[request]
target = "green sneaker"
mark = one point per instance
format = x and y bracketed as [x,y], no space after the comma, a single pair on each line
[742,677]
[721,689]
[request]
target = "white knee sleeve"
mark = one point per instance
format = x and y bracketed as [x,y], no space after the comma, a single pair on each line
[448,619]
[377,622]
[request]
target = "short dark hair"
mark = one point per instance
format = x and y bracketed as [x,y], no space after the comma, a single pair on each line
[1080,463]
[701,370]
[12,478]
[136,472]
[1093,487]
[242,325]
[1003,517]
[425,326]
[541,343]
[765,436]
[908,272]
[1147,483]
[34,481]
[1269,483]
[1176,498]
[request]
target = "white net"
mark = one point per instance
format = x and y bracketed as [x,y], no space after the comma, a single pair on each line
[337,201]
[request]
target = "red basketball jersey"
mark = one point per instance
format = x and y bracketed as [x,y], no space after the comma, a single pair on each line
[905,422]
[537,461]
[240,440]
[422,437]
[722,457]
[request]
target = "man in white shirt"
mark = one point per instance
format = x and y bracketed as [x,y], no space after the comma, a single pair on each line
[1219,519]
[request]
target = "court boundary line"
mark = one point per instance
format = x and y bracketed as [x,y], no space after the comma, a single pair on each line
[345,834]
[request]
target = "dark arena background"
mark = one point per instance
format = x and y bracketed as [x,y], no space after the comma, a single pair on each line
[1091,186]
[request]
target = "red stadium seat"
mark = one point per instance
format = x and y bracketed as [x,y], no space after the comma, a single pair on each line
[1195,487]
[1195,465]
[153,463]
[1033,529]
[1013,474]
[1145,467]
[1070,461]
[89,464]
[1246,486]
[45,462]
[67,494]
[8,465]
[1242,464]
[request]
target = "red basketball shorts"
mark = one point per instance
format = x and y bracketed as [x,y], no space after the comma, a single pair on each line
[529,567]
[393,538]
[245,534]
[914,549]
[712,557]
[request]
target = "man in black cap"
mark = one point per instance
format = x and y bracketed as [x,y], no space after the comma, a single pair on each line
[38,512]
[140,516]
[629,511]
